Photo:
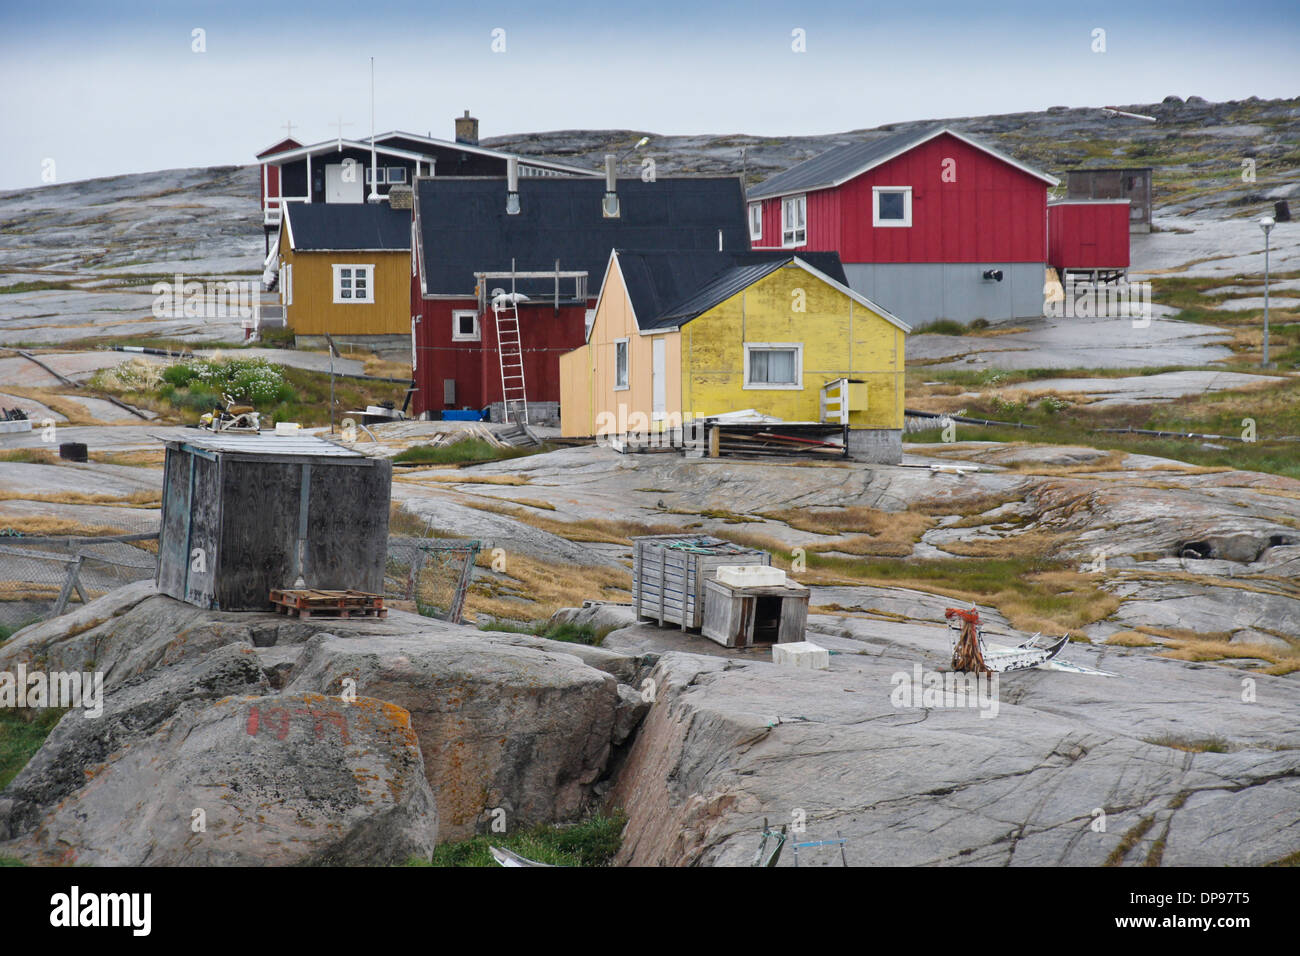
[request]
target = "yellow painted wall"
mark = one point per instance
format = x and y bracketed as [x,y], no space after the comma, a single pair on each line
[314,311]
[614,320]
[575,393]
[841,339]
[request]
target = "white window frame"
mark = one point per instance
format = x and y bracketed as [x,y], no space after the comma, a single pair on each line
[796,385]
[397,169]
[457,335]
[370,283]
[627,364]
[797,235]
[756,221]
[903,223]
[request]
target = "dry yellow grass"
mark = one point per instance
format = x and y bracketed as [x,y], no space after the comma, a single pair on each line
[463,479]
[1025,544]
[138,499]
[38,526]
[532,589]
[138,459]
[1131,639]
[531,503]
[588,530]
[374,365]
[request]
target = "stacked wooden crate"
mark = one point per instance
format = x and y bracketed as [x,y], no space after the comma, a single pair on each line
[669,572]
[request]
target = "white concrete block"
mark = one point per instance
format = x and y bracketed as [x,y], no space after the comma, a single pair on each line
[750,575]
[804,654]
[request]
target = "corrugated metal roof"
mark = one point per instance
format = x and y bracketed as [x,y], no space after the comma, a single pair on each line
[265,443]
[348,226]
[668,289]
[464,227]
[843,163]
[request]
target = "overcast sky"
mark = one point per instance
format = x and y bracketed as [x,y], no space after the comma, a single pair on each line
[114,86]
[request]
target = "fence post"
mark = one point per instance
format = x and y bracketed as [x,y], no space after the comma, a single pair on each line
[74,569]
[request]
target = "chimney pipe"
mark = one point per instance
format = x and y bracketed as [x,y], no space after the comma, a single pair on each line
[719,240]
[467,129]
[609,207]
[512,186]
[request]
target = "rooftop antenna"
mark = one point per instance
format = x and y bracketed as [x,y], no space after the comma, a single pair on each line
[374,177]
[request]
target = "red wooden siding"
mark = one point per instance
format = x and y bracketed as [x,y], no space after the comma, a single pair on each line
[475,365]
[993,212]
[1088,235]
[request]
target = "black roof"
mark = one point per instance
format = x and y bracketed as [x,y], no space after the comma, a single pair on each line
[464,227]
[668,289]
[344,226]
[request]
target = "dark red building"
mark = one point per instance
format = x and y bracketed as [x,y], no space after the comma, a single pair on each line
[929,223]
[552,250]
[1088,235]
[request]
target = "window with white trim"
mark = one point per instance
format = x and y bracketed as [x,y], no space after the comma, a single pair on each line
[756,221]
[774,365]
[354,284]
[464,326]
[395,175]
[794,220]
[891,205]
[620,364]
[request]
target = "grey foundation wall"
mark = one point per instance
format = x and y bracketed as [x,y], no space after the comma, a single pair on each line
[921,292]
[879,446]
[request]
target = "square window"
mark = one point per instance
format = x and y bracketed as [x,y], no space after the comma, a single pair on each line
[353,284]
[891,205]
[774,365]
[464,326]
[397,174]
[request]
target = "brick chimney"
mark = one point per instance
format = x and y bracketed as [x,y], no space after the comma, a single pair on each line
[467,129]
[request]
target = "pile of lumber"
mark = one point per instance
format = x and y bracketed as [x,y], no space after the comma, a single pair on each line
[784,440]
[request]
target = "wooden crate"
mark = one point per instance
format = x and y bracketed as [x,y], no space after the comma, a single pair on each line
[734,616]
[669,572]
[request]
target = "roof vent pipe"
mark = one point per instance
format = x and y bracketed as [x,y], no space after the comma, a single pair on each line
[609,206]
[719,240]
[512,186]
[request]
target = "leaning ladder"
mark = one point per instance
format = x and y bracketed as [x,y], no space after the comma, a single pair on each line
[510,350]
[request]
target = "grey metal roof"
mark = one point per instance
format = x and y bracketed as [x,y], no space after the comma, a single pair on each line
[842,163]
[319,227]
[265,443]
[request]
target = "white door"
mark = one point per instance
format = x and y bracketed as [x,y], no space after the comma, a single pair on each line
[343,183]
[658,374]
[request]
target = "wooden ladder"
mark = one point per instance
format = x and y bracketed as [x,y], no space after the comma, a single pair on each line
[511,353]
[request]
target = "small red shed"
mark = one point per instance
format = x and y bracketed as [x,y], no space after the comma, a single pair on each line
[1088,235]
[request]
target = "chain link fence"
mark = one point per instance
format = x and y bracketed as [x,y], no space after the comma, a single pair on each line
[43,576]
[429,576]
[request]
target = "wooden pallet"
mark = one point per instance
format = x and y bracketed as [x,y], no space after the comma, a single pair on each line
[313,602]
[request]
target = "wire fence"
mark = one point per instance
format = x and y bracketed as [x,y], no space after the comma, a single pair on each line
[42,577]
[429,576]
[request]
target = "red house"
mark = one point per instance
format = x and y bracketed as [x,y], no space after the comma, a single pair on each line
[536,248]
[1089,235]
[929,223]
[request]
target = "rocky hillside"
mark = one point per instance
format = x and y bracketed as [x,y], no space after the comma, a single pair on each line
[1196,148]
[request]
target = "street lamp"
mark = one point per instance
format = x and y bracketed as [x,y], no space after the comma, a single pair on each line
[1266,223]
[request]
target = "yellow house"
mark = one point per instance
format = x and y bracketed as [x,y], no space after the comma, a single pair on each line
[345,270]
[683,336]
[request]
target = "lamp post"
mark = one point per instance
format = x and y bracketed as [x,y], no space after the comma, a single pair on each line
[1266,223]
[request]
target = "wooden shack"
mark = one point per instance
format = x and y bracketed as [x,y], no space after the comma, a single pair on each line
[744,616]
[669,572]
[242,514]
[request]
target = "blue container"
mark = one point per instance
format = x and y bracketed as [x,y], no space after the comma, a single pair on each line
[462,415]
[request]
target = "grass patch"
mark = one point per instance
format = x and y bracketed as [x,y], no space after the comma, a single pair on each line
[565,631]
[34,285]
[30,456]
[1209,745]
[20,738]
[1131,639]
[593,842]
[530,589]
[1129,840]
[941,327]
[463,451]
